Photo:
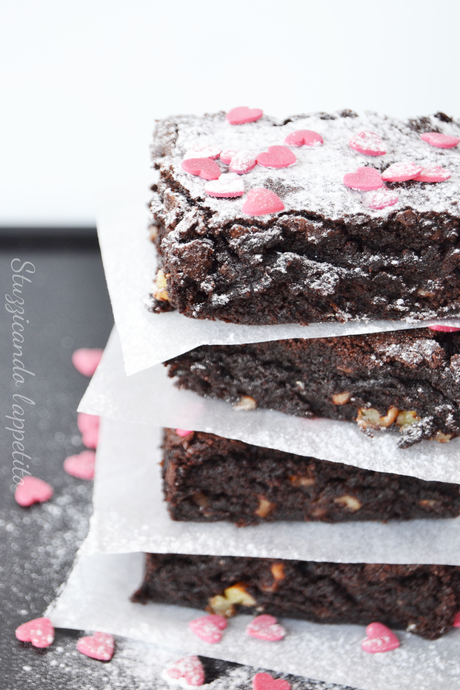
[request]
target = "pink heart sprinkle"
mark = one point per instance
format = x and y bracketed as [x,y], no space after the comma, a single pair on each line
[444,329]
[304,137]
[88,425]
[87,422]
[85,360]
[202,167]
[276,157]
[242,162]
[100,646]
[433,173]
[368,143]
[264,681]
[365,179]
[441,141]
[90,438]
[209,628]
[260,202]
[227,155]
[39,632]
[183,432]
[266,627]
[382,198]
[401,172]
[81,466]
[228,185]
[32,490]
[242,115]
[202,152]
[379,639]
[456,623]
[190,669]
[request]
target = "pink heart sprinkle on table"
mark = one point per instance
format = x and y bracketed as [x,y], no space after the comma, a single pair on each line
[304,137]
[85,360]
[433,173]
[100,646]
[261,202]
[401,172]
[205,168]
[266,627]
[190,669]
[228,185]
[444,329]
[364,179]
[381,198]
[441,141]
[242,162]
[379,639]
[82,465]
[39,632]
[243,115]
[88,425]
[456,623]
[32,490]
[203,152]
[86,422]
[368,143]
[209,628]
[276,157]
[264,681]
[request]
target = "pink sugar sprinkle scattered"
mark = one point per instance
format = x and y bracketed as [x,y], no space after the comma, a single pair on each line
[368,143]
[433,173]
[441,141]
[381,198]
[244,115]
[32,490]
[401,172]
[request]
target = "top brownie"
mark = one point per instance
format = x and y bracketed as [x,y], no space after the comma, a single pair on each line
[327,255]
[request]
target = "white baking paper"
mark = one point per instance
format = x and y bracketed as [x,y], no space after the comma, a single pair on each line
[147,339]
[150,397]
[96,597]
[130,515]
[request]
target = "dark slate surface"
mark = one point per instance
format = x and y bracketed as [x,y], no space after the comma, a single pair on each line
[67,307]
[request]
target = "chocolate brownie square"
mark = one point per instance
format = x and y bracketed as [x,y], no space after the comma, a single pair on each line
[423,599]
[407,380]
[323,251]
[207,478]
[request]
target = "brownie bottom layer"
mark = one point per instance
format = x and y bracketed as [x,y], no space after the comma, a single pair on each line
[420,598]
[208,478]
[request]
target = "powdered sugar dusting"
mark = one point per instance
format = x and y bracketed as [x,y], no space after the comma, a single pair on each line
[381,198]
[422,350]
[315,181]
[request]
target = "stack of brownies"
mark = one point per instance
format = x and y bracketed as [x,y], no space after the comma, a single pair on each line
[316,218]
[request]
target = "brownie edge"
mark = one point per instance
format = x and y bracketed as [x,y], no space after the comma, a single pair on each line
[207,478]
[407,380]
[327,256]
[422,599]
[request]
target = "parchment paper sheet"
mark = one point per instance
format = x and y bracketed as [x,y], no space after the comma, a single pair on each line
[147,339]
[150,397]
[96,597]
[130,515]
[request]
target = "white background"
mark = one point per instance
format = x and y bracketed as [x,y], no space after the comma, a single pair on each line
[82,82]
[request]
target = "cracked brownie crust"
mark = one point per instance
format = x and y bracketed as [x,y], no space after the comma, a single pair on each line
[404,379]
[326,256]
[207,478]
[421,598]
